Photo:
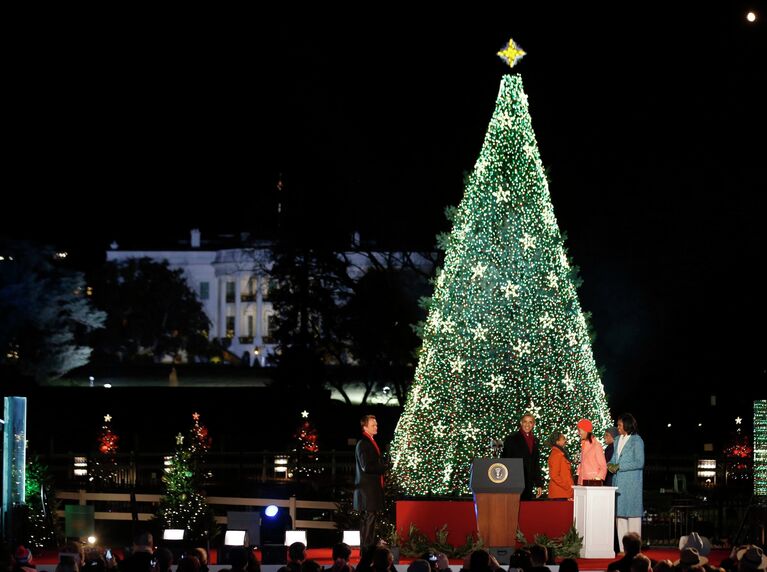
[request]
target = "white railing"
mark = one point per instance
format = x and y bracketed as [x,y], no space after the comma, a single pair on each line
[292,504]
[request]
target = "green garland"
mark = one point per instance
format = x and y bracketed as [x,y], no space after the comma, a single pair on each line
[418,544]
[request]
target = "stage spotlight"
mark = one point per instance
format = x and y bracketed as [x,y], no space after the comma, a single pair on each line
[271,511]
[235,541]
[173,534]
[236,538]
[292,536]
[274,522]
[352,537]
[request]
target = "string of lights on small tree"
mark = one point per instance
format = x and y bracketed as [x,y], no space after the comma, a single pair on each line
[304,461]
[760,448]
[738,457]
[505,333]
[183,505]
[40,528]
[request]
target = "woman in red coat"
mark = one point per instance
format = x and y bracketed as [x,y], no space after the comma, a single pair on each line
[560,471]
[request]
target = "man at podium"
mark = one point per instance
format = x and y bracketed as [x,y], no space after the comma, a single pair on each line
[524,445]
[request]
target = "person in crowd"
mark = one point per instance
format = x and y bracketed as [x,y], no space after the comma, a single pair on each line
[524,445]
[296,557]
[632,546]
[479,561]
[188,563]
[695,540]
[539,556]
[593,468]
[202,557]
[238,560]
[520,560]
[443,564]
[93,560]
[141,556]
[560,469]
[627,466]
[366,558]
[419,565]
[342,552]
[641,563]
[431,558]
[751,558]
[310,566]
[689,558]
[163,560]
[23,557]
[568,565]
[383,560]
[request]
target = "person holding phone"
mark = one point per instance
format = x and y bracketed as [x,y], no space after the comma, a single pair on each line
[142,554]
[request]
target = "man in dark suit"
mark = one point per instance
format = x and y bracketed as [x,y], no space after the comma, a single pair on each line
[524,445]
[368,481]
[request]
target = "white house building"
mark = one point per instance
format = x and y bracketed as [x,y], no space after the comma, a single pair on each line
[233,286]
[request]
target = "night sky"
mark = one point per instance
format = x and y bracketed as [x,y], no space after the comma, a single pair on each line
[649,118]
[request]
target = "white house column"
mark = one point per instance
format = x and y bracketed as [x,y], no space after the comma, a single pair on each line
[259,309]
[221,307]
[237,308]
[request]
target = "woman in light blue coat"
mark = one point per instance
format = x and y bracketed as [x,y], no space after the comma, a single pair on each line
[627,465]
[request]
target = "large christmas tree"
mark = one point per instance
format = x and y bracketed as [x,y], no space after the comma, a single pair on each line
[505,334]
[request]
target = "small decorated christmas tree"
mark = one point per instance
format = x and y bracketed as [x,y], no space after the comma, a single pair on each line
[304,461]
[183,504]
[40,523]
[739,457]
[103,467]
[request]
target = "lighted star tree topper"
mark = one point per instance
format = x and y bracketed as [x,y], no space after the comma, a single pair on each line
[505,333]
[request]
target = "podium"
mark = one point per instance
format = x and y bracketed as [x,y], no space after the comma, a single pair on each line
[594,517]
[497,484]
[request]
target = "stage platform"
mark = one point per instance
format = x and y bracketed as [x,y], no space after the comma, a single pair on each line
[552,518]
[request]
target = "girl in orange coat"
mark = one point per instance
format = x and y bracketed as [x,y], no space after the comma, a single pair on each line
[560,472]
